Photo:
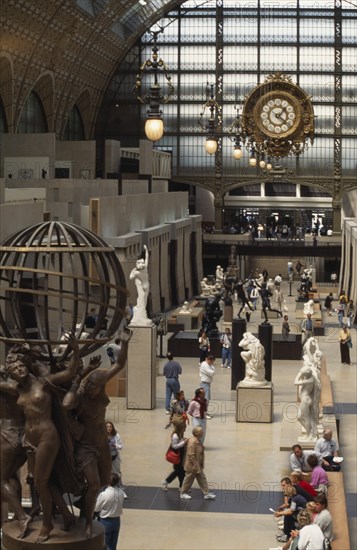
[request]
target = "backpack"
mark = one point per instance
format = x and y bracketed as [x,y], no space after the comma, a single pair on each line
[326,544]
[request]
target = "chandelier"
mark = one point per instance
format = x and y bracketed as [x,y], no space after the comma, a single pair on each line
[212,109]
[154,125]
[240,139]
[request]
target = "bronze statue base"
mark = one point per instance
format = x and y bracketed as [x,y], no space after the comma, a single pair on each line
[58,540]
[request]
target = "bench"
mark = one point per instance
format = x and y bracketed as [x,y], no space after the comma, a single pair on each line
[338,510]
[326,398]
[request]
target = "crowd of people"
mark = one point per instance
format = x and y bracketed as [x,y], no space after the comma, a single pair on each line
[183,413]
[258,288]
[303,516]
[190,450]
[265,231]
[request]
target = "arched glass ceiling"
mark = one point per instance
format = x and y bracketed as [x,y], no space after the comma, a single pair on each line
[257,39]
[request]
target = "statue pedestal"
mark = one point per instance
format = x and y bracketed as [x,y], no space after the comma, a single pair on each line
[254,404]
[59,539]
[191,320]
[228,314]
[141,368]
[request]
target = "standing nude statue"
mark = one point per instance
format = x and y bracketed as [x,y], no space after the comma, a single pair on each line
[139,274]
[12,454]
[310,390]
[88,399]
[35,398]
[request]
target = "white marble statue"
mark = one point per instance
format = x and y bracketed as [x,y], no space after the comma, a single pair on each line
[205,288]
[309,392]
[209,290]
[139,274]
[219,275]
[253,355]
[309,307]
[185,309]
[312,355]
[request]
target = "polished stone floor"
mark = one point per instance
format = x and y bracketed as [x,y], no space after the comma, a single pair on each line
[244,463]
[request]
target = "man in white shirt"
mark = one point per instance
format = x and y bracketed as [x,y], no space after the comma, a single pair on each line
[254,295]
[110,507]
[207,372]
[298,459]
[328,449]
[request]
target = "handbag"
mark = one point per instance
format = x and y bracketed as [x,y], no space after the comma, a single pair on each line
[349,343]
[172,456]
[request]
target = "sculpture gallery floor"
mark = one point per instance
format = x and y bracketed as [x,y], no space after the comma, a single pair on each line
[244,463]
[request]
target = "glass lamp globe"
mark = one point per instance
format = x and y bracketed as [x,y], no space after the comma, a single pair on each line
[252,161]
[237,153]
[211,146]
[262,163]
[154,129]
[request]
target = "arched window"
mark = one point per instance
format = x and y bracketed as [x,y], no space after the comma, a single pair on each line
[33,117]
[74,130]
[3,122]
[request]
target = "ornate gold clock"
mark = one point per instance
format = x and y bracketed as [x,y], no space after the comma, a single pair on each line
[278,117]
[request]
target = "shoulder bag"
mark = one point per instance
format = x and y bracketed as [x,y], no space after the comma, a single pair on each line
[172,456]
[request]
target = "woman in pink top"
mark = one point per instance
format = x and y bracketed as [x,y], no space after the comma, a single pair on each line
[319,479]
[198,410]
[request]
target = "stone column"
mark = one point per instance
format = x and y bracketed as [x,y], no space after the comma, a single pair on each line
[218,214]
[179,258]
[141,368]
[336,216]
[239,327]
[196,253]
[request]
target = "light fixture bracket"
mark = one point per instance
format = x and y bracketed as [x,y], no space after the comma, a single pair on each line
[155,98]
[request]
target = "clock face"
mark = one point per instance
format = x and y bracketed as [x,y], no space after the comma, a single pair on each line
[277,114]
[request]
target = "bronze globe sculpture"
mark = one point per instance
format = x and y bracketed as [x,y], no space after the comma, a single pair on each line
[51,276]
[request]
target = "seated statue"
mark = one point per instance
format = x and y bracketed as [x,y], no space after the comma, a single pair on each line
[253,355]
[205,288]
[309,307]
[208,290]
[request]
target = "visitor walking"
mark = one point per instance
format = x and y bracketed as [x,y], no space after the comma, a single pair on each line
[194,464]
[172,371]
